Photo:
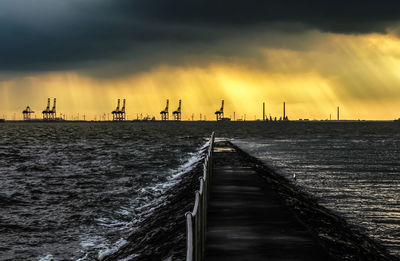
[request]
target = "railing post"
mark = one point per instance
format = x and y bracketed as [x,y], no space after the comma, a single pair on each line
[197,226]
[196,233]
[202,213]
[189,237]
[198,246]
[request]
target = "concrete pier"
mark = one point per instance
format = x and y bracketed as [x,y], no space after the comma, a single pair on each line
[248,221]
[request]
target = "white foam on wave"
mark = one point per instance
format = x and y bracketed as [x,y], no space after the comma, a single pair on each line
[92,242]
[110,222]
[48,257]
[150,205]
[145,210]
[124,211]
[156,191]
[130,257]
[83,258]
[108,251]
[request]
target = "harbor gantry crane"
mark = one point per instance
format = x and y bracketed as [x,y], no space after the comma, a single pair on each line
[220,113]
[178,113]
[165,113]
[122,112]
[46,111]
[50,115]
[115,112]
[52,112]
[27,113]
[119,114]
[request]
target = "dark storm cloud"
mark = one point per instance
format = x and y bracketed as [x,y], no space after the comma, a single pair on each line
[337,16]
[77,34]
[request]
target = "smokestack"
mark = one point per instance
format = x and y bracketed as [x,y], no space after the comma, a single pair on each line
[263,111]
[338,113]
[284,112]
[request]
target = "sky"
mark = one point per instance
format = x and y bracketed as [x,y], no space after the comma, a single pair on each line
[313,55]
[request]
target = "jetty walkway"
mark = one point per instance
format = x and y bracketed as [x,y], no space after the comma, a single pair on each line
[247,220]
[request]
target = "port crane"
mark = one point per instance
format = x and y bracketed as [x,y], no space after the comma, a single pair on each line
[45,112]
[27,113]
[50,115]
[52,112]
[220,113]
[164,113]
[119,114]
[178,113]
[122,112]
[115,112]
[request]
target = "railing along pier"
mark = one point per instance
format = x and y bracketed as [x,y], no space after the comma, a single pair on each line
[196,221]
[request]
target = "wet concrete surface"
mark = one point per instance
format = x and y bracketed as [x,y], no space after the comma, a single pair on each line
[248,221]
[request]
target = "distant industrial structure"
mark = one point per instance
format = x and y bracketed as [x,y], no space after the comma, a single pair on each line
[27,113]
[219,114]
[284,118]
[263,111]
[50,115]
[119,114]
[178,113]
[164,113]
[284,111]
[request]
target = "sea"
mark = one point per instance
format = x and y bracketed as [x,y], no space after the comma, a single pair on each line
[75,191]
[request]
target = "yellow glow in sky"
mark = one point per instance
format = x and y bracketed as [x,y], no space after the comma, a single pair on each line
[359,73]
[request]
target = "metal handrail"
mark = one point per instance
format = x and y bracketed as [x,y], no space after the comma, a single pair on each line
[196,220]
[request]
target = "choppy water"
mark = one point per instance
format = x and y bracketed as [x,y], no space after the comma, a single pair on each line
[70,191]
[73,191]
[357,176]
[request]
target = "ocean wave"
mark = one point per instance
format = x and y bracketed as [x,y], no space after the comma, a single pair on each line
[147,201]
[10,200]
[63,184]
[108,251]
[355,177]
